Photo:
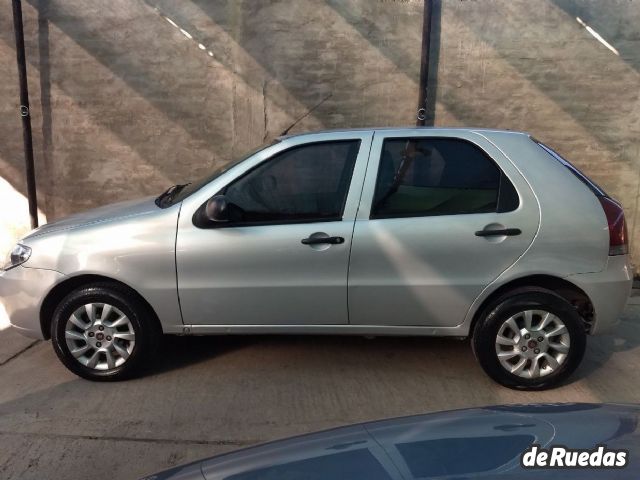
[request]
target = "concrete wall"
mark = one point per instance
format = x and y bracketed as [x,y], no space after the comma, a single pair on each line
[130,96]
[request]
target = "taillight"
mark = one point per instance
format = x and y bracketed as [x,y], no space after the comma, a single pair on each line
[618,243]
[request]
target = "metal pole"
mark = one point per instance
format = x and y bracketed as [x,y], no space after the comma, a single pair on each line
[25,113]
[424,63]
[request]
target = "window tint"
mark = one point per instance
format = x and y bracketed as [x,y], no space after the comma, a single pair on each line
[435,458]
[356,464]
[434,176]
[305,183]
[508,199]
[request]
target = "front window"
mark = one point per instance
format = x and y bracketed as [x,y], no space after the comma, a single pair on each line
[303,184]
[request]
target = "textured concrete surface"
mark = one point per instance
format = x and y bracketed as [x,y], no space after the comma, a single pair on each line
[533,66]
[131,98]
[209,395]
[12,344]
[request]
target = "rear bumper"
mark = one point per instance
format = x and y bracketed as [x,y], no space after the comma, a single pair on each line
[608,290]
[22,291]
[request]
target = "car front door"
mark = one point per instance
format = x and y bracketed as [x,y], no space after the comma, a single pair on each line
[443,214]
[282,259]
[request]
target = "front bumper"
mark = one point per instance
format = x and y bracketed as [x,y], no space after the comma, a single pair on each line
[22,291]
[608,291]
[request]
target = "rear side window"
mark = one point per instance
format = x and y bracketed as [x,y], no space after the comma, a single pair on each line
[438,176]
[593,186]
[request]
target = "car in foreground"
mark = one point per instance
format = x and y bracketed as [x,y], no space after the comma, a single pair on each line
[413,231]
[489,442]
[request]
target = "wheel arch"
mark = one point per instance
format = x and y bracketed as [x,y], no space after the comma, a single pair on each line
[567,290]
[62,289]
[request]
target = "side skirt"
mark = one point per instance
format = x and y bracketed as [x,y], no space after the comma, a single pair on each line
[373,330]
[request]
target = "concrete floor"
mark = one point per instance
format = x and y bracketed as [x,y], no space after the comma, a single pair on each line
[210,395]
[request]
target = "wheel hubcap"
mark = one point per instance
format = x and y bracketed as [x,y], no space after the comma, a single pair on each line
[99,336]
[532,344]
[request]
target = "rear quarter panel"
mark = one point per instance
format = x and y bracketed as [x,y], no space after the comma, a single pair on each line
[573,237]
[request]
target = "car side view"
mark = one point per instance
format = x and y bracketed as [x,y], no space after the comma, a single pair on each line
[411,231]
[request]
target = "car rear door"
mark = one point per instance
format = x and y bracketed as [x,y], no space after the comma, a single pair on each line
[443,214]
[285,261]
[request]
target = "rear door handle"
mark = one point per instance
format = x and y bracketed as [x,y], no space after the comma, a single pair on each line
[509,232]
[321,240]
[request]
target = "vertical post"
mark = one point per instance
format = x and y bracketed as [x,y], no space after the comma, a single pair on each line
[424,63]
[25,113]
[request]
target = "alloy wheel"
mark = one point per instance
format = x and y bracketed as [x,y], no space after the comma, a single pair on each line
[532,343]
[100,336]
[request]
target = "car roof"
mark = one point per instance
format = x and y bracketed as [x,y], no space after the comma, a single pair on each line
[543,422]
[403,128]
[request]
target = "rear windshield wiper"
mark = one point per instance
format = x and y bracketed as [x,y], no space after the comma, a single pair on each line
[165,198]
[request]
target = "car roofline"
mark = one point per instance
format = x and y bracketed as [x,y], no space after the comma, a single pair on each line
[402,128]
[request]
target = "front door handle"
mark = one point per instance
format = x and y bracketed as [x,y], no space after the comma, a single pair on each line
[321,240]
[509,232]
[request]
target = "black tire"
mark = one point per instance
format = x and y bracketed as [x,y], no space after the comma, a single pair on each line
[144,324]
[491,320]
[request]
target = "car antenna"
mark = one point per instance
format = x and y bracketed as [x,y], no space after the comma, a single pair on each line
[286,130]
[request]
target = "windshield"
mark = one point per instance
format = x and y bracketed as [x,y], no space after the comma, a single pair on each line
[178,193]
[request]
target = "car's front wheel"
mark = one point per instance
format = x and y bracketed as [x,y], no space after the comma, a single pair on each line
[530,340]
[103,332]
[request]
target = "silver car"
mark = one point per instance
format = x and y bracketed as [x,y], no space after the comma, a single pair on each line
[414,231]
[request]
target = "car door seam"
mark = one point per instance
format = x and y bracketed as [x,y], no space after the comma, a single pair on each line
[175,263]
[534,196]
[535,236]
[355,219]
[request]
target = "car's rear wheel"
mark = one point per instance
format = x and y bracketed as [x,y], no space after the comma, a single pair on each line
[530,340]
[103,332]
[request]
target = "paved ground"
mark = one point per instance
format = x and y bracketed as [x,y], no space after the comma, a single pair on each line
[211,395]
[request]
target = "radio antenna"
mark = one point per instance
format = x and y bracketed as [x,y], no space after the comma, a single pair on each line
[305,115]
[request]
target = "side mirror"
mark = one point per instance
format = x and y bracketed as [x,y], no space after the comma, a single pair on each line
[217,209]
